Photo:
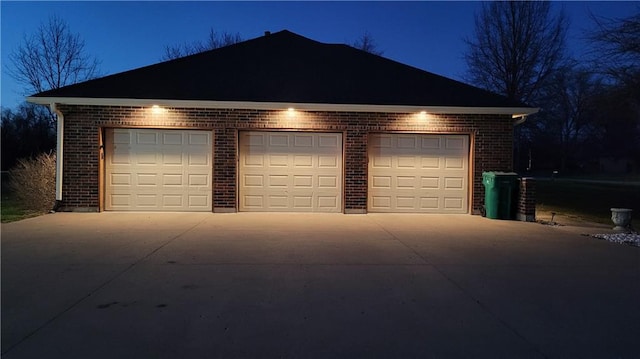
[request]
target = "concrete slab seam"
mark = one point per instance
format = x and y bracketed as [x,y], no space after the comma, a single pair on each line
[467,293]
[98,288]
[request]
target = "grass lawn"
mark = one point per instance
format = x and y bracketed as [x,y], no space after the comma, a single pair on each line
[11,211]
[588,200]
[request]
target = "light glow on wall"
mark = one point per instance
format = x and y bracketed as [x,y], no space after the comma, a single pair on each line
[291,112]
[157,110]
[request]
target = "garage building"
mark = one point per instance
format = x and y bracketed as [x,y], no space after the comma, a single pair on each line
[279,123]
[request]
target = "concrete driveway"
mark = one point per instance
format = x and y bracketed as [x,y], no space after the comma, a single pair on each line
[202,285]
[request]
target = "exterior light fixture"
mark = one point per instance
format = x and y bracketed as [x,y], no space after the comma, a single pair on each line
[291,112]
[422,115]
[156,110]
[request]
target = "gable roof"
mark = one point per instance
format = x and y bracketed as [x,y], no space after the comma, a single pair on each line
[282,68]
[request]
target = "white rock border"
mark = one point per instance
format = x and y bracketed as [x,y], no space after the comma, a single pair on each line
[623,238]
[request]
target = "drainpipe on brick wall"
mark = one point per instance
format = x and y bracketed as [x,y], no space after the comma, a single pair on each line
[59,153]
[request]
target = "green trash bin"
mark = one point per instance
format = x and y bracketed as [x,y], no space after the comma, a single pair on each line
[500,194]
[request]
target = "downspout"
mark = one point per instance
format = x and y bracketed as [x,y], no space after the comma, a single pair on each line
[59,152]
[519,119]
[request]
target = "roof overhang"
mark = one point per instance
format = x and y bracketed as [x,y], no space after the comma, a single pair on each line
[515,112]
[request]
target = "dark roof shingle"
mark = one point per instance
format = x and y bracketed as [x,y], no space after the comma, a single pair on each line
[286,67]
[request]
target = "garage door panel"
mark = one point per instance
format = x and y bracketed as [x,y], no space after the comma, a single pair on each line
[303,202]
[172,200]
[122,200]
[199,159]
[454,183]
[430,162]
[456,143]
[160,171]
[278,201]
[146,138]
[305,161]
[426,178]
[381,141]
[303,140]
[454,163]
[147,179]
[278,181]
[278,160]
[328,162]
[196,180]
[453,203]
[120,179]
[252,201]
[279,140]
[251,160]
[172,139]
[303,172]
[381,162]
[173,179]
[407,142]
[406,162]
[122,138]
[381,202]
[252,181]
[172,157]
[332,142]
[406,182]
[429,182]
[430,142]
[302,181]
[199,201]
[381,182]
[199,139]
[429,203]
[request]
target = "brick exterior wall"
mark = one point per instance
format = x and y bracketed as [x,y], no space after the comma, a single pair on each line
[491,139]
[527,200]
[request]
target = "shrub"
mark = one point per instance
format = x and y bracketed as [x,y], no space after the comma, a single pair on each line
[33,182]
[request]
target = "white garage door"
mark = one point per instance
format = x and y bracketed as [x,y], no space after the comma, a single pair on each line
[290,172]
[158,170]
[418,173]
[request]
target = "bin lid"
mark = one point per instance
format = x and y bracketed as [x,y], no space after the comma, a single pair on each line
[498,173]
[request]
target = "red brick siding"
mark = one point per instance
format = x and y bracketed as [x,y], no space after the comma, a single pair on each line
[491,139]
[527,200]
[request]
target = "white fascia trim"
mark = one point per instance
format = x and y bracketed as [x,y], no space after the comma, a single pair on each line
[513,111]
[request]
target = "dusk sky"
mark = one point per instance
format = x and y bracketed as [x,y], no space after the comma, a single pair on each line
[128,35]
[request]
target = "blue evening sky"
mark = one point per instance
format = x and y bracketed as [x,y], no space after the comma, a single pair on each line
[127,35]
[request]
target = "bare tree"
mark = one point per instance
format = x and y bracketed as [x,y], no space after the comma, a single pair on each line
[25,132]
[567,122]
[616,48]
[517,45]
[51,58]
[214,40]
[367,43]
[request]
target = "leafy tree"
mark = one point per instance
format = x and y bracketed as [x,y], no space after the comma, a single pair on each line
[367,43]
[517,45]
[214,40]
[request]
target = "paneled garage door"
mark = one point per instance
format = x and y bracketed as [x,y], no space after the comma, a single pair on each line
[418,173]
[158,170]
[290,172]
